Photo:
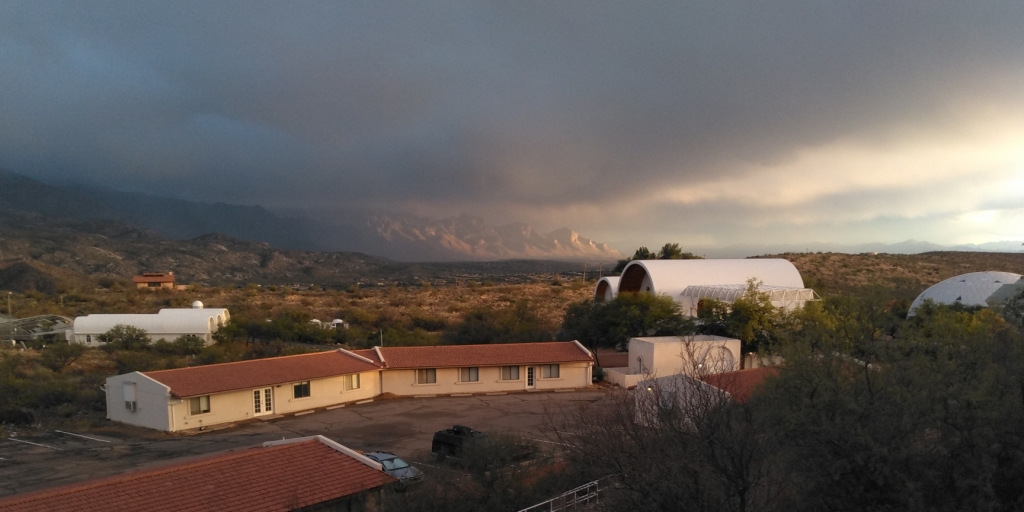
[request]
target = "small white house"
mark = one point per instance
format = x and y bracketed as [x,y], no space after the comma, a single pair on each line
[662,356]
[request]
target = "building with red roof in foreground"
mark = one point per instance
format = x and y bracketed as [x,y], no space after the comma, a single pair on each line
[688,395]
[303,473]
[198,397]
[740,385]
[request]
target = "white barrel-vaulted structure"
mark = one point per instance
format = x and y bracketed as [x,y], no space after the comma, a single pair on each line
[167,325]
[688,281]
[607,288]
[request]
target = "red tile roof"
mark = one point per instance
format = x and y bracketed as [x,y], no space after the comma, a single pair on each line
[281,477]
[740,384]
[498,354]
[217,378]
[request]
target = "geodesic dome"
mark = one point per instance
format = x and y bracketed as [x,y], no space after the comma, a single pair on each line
[972,289]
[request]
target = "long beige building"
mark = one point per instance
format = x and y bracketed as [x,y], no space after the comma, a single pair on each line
[202,396]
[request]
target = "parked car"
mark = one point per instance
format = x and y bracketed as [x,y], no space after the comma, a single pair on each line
[406,473]
[451,441]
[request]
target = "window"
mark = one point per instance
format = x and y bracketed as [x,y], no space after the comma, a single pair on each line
[351,382]
[509,373]
[426,376]
[471,374]
[129,396]
[199,404]
[549,371]
[88,338]
[301,390]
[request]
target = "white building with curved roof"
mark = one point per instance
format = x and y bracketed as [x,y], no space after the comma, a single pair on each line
[689,281]
[606,289]
[973,289]
[168,324]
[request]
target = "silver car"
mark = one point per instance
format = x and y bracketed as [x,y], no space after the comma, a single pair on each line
[405,473]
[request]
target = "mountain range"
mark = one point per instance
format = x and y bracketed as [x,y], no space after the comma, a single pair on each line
[399,237]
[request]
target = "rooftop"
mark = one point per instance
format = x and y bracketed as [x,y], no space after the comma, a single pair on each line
[276,476]
[217,378]
[679,339]
[740,384]
[498,354]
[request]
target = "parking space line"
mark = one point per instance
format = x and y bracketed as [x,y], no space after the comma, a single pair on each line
[80,435]
[34,444]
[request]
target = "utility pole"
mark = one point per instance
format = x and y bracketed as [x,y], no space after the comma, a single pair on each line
[382,337]
[9,305]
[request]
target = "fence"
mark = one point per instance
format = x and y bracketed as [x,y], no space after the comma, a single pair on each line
[578,497]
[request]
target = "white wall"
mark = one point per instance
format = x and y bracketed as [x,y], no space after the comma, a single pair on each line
[234,406]
[151,398]
[403,382]
[671,355]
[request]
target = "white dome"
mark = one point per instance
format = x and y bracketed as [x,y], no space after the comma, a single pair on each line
[197,304]
[968,289]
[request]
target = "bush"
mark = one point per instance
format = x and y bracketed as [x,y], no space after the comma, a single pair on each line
[125,337]
[60,355]
[187,345]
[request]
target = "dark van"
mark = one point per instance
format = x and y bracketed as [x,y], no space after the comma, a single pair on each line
[451,441]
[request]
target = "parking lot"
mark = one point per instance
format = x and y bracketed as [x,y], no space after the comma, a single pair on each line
[402,426]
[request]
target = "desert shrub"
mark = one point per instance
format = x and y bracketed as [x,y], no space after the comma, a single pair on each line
[186,345]
[489,325]
[127,361]
[58,356]
[428,323]
[220,353]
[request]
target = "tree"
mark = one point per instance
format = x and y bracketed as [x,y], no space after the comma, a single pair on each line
[613,323]
[59,355]
[125,337]
[1013,310]
[674,252]
[751,318]
[674,444]
[670,251]
[488,325]
[929,420]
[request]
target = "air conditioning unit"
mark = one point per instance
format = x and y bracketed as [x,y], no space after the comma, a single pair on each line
[131,406]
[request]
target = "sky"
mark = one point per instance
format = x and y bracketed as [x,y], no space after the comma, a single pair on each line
[635,123]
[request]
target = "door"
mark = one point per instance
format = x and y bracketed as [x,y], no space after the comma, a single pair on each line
[531,381]
[262,401]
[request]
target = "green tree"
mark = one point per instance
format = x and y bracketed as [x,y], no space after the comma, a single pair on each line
[611,324]
[932,419]
[751,318]
[125,337]
[674,252]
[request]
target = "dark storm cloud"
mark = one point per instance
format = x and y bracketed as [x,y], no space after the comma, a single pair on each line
[458,106]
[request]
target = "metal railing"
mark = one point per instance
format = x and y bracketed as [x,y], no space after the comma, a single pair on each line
[583,495]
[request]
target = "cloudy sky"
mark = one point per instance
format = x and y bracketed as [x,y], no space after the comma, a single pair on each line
[710,124]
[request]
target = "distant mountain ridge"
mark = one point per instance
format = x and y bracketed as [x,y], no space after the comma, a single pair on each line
[399,237]
[472,238]
[904,247]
